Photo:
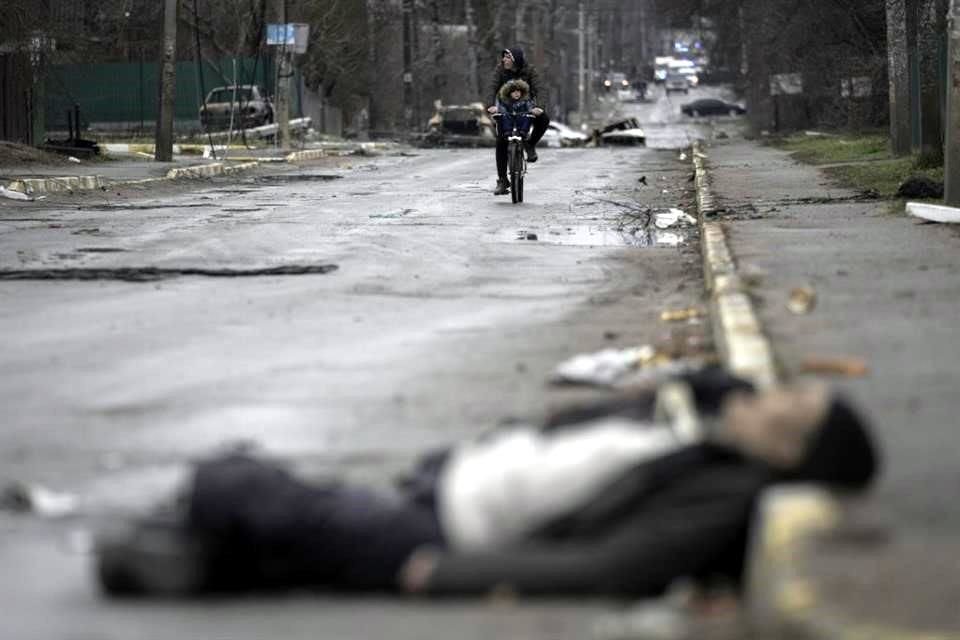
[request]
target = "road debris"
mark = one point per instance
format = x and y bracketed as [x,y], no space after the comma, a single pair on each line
[933,212]
[30,498]
[672,217]
[680,315]
[12,194]
[846,366]
[628,367]
[802,300]
[602,368]
[527,235]
[920,187]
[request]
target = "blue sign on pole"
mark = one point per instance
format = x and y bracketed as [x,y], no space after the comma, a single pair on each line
[280,34]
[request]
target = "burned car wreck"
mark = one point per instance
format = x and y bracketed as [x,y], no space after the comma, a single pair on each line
[460,125]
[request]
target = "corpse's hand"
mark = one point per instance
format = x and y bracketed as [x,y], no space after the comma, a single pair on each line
[536,111]
[416,572]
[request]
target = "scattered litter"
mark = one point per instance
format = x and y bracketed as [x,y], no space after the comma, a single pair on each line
[634,366]
[933,212]
[683,156]
[802,300]
[73,159]
[642,180]
[12,194]
[27,498]
[672,217]
[848,366]
[602,368]
[679,315]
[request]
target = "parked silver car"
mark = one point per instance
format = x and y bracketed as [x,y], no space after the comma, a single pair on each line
[250,105]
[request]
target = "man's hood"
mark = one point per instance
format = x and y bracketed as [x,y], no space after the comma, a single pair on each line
[519,61]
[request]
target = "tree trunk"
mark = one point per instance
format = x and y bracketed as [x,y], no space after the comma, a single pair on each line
[932,26]
[758,96]
[898,73]
[951,166]
[473,63]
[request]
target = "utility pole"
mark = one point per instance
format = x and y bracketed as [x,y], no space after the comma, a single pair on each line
[591,60]
[163,149]
[951,165]
[898,72]
[407,9]
[581,67]
[284,72]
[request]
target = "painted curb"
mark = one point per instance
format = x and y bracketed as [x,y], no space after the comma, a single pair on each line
[35,186]
[38,186]
[301,156]
[781,597]
[737,332]
[208,170]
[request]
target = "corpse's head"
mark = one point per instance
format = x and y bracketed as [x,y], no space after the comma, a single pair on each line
[804,431]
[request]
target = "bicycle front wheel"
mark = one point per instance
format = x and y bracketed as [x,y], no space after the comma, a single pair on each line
[516,173]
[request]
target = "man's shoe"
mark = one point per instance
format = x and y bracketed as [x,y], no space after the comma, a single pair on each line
[503,188]
[531,153]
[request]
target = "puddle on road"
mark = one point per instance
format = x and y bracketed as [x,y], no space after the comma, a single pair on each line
[599,236]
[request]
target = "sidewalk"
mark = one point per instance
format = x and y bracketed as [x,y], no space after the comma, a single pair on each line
[876,300]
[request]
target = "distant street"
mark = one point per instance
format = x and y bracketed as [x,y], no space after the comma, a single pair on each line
[444,317]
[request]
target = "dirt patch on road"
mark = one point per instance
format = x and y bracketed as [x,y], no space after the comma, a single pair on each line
[13,154]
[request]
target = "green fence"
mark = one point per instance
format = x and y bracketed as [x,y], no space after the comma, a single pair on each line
[127,93]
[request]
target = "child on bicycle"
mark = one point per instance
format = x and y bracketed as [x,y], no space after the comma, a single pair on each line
[513,104]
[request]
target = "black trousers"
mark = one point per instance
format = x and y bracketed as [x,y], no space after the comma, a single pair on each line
[540,124]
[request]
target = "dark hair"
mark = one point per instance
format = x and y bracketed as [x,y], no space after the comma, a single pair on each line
[842,453]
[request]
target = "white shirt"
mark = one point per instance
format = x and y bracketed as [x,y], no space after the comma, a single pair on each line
[495,491]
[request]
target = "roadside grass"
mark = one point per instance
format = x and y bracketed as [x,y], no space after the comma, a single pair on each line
[883,177]
[831,149]
[861,162]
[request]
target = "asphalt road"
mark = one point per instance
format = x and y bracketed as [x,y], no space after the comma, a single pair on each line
[439,322]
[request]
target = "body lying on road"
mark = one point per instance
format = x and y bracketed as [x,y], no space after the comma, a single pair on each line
[614,498]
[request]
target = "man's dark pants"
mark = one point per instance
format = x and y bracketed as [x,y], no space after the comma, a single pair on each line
[540,124]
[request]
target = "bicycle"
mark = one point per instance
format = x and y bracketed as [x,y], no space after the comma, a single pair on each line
[516,131]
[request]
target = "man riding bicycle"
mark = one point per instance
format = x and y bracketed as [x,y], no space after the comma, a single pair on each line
[513,66]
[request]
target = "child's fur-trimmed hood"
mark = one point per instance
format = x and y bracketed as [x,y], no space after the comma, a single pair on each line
[511,86]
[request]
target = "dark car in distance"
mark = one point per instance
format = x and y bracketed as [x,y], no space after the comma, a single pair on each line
[711,107]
